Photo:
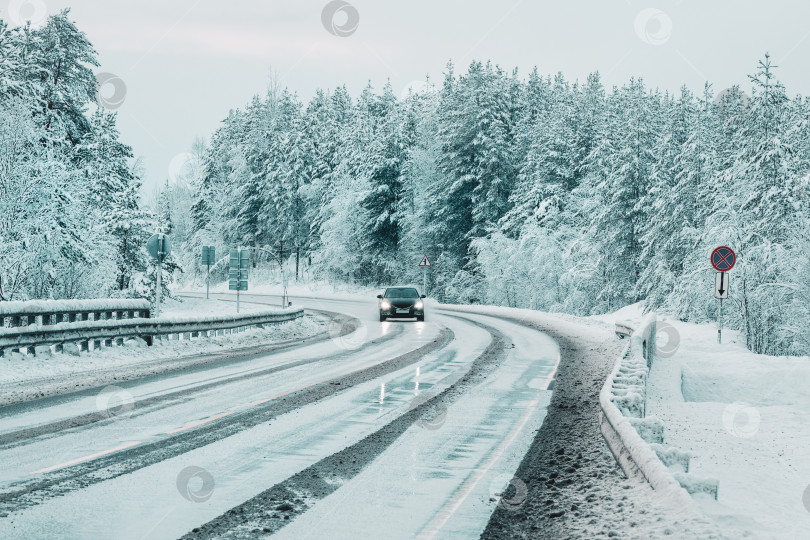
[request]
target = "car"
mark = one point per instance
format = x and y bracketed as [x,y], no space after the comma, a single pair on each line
[405,302]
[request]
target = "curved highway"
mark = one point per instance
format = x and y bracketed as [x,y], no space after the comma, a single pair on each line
[399,429]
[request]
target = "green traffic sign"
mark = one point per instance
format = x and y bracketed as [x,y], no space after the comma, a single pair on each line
[239,269]
[238,274]
[209,257]
[240,258]
[238,285]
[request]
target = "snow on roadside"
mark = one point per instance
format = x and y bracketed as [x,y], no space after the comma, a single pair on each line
[594,325]
[194,307]
[632,314]
[745,419]
[36,307]
[315,289]
[20,375]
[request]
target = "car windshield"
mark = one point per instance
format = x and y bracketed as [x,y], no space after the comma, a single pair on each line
[401,293]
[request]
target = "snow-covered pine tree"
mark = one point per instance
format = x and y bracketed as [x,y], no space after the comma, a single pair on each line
[386,154]
[766,175]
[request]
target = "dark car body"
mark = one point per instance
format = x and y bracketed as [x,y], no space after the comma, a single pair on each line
[404,302]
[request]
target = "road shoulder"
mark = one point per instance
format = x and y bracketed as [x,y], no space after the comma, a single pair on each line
[575,489]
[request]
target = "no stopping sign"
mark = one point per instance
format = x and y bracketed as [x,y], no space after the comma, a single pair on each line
[723,259]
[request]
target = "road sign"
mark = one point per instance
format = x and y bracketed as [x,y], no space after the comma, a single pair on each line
[238,272]
[238,285]
[240,258]
[721,284]
[235,273]
[723,259]
[209,259]
[209,256]
[159,246]
[424,264]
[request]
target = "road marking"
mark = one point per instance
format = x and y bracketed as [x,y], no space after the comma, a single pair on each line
[455,502]
[199,423]
[87,458]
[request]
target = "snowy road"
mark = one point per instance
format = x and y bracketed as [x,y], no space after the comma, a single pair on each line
[436,416]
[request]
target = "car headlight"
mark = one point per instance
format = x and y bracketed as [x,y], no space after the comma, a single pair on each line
[385,304]
[419,305]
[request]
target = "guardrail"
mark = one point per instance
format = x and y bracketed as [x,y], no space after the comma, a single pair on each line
[632,452]
[44,313]
[624,330]
[50,312]
[86,333]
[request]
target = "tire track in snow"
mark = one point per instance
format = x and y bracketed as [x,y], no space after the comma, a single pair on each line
[277,506]
[82,475]
[143,406]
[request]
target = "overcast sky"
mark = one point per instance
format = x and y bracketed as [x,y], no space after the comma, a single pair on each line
[187,62]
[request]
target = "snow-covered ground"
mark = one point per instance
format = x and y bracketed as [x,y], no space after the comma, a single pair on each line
[49,372]
[631,314]
[193,307]
[263,282]
[745,419]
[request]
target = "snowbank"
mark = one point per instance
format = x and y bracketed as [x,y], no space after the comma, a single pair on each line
[632,314]
[745,421]
[314,290]
[36,307]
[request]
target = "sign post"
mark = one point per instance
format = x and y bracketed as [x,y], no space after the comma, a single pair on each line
[209,258]
[238,272]
[723,260]
[159,247]
[424,264]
